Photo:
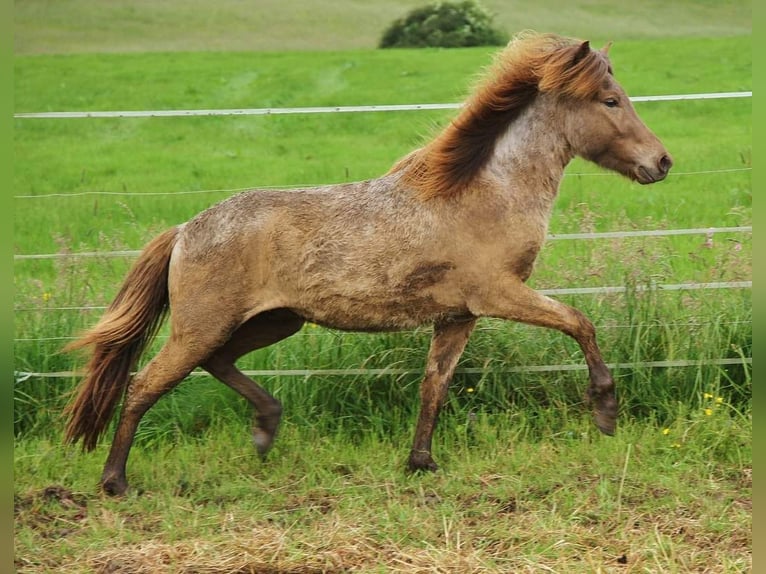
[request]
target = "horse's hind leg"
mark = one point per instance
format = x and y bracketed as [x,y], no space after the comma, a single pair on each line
[168,368]
[260,331]
[447,344]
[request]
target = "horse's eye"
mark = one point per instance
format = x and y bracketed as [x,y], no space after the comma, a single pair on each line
[611,102]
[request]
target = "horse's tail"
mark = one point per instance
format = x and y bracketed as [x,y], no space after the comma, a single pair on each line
[118,340]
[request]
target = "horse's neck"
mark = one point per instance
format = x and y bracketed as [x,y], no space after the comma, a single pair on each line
[530,158]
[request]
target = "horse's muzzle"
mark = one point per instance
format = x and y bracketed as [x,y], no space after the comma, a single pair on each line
[645,175]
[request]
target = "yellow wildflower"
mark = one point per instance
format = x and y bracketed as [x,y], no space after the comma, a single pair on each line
[666,431]
[719,400]
[46,297]
[708,412]
[707,396]
[469,390]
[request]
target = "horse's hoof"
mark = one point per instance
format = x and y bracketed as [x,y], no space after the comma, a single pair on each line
[607,424]
[262,441]
[114,486]
[421,462]
[265,428]
[604,406]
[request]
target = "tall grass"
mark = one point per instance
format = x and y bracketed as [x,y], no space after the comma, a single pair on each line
[633,328]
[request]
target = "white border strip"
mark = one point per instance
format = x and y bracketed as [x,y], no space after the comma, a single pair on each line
[21,376]
[552,237]
[328,110]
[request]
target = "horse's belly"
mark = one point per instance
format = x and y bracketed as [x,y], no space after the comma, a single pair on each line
[378,311]
[373,285]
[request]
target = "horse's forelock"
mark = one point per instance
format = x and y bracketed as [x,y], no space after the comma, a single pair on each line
[568,73]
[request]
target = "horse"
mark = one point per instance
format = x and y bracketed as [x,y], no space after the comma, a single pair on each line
[448,235]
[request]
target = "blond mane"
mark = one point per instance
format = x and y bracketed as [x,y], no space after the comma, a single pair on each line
[531,63]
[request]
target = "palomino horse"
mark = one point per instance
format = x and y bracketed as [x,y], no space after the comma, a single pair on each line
[448,235]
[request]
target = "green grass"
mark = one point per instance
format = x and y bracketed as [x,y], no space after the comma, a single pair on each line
[527,484]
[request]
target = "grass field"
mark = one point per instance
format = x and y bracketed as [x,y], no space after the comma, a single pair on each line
[527,484]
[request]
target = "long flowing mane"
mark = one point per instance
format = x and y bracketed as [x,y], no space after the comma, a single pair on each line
[531,63]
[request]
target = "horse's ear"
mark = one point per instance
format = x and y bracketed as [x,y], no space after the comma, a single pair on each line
[582,51]
[605,49]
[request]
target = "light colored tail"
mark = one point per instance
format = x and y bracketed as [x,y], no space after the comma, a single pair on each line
[118,340]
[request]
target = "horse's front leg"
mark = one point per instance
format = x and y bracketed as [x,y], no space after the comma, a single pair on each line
[525,305]
[447,344]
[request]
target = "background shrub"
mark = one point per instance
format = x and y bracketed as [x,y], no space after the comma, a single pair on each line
[445,25]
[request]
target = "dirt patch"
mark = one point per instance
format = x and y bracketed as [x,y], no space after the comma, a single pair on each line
[53,511]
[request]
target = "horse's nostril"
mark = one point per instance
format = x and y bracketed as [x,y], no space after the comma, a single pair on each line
[665,163]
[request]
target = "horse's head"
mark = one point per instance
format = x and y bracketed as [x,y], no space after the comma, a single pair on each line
[576,102]
[602,126]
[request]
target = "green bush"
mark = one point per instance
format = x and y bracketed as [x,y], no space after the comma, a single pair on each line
[445,25]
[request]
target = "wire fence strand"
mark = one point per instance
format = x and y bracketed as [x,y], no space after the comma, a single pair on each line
[551,237]
[325,109]
[314,185]
[21,376]
[613,289]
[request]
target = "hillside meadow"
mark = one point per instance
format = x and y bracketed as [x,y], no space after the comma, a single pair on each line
[527,484]
[79,26]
